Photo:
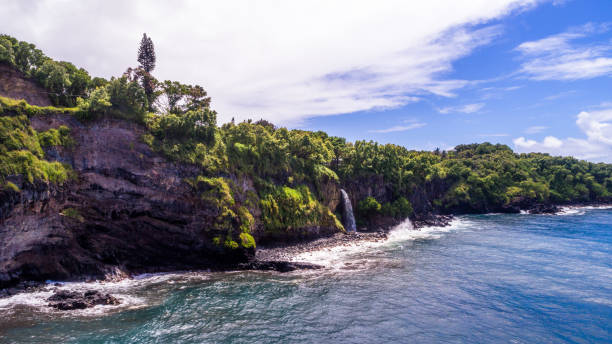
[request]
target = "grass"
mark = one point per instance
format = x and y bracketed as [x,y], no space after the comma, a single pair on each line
[11,187]
[21,107]
[73,214]
[21,152]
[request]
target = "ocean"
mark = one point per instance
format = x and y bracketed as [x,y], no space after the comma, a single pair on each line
[494,278]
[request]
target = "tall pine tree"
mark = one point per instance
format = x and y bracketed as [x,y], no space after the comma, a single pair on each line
[146,58]
[146,54]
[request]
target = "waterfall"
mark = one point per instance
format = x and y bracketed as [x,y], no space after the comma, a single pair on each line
[347,215]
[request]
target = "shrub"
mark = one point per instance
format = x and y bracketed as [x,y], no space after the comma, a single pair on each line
[97,103]
[247,240]
[215,190]
[73,214]
[55,137]
[230,244]
[199,125]
[128,99]
[11,187]
[368,207]
[247,221]
[285,208]
[32,168]
[399,209]
[21,107]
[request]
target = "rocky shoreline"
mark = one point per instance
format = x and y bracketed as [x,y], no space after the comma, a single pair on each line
[279,258]
[288,252]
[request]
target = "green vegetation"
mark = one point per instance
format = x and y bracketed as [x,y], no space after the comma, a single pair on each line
[11,187]
[56,137]
[247,240]
[21,151]
[63,80]
[285,208]
[291,171]
[73,214]
[21,107]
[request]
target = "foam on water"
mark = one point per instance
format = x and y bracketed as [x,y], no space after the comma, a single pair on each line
[581,210]
[338,256]
[570,211]
[123,289]
[485,279]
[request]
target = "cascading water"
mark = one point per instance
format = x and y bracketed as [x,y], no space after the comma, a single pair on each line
[349,219]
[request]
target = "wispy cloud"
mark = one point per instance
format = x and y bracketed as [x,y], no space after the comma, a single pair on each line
[559,57]
[494,135]
[535,129]
[560,95]
[267,57]
[467,108]
[595,146]
[496,92]
[396,128]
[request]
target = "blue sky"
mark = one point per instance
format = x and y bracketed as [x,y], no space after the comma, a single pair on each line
[506,103]
[533,74]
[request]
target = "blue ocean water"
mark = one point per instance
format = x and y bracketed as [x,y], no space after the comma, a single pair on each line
[486,279]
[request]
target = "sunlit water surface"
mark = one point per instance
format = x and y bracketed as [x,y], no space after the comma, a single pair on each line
[487,278]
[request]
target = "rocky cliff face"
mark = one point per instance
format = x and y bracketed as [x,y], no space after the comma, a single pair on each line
[128,210]
[13,84]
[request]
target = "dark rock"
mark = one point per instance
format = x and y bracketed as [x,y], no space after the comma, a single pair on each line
[427,220]
[280,266]
[132,212]
[69,300]
[543,209]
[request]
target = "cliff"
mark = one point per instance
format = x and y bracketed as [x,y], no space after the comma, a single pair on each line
[126,210]
[108,188]
[14,84]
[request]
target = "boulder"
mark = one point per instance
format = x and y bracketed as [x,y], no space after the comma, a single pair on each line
[68,300]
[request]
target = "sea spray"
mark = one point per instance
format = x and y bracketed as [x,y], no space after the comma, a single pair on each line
[338,256]
[349,218]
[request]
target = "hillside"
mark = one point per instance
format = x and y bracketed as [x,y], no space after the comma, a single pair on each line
[108,184]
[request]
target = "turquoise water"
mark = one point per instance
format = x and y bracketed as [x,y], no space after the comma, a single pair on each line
[486,279]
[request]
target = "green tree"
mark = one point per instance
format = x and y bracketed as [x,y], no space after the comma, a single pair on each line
[146,54]
[6,50]
[146,58]
[54,77]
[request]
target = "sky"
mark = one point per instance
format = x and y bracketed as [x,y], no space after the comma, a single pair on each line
[533,74]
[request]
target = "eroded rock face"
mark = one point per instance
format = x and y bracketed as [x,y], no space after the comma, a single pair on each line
[69,300]
[131,211]
[13,84]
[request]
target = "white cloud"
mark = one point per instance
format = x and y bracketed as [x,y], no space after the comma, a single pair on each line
[596,146]
[535,129]
[280,60]
[468,108]
[396,128]
[558,57]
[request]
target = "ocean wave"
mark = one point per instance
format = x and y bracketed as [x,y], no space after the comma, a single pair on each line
[582,209]
[570,211]
[126,290]
[337,257]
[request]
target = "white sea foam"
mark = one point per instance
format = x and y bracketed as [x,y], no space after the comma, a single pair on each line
[125,290]
[338,256]
[569,211]
[581,210]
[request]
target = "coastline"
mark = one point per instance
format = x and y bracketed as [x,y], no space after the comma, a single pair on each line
[290,257]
